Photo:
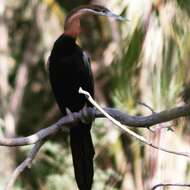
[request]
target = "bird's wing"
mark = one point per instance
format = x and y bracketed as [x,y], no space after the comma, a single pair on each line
[89,75]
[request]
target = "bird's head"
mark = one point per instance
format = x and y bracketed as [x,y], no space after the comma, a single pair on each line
[72,22]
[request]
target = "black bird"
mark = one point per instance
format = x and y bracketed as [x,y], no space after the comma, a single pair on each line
[69,69]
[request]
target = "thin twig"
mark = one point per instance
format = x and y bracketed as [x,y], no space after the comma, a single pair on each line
[89,114]
[124,128]
[26,163]
[147,106]
[170,184]
[114,121]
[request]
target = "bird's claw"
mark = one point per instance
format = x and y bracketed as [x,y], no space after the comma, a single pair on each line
[69,112]
[85,119]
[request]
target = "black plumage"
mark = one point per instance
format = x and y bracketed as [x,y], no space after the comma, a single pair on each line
[69,69]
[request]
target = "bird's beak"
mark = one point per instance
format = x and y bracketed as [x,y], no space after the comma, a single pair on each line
[117,17]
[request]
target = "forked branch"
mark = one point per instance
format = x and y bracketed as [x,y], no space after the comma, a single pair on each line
[26,163]
[120,119]
[125,129]
[90,114]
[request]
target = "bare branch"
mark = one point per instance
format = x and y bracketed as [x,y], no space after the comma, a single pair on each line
[114,121]
[43,133]
[91,114]
[124,128]
[150,120]
[170,184]
[26,163]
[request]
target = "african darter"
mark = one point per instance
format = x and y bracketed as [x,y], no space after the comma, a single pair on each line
[69,69]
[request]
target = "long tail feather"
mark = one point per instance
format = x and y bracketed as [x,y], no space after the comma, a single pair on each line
[82,153]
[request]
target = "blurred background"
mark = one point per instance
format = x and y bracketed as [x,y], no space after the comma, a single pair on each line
[143,60]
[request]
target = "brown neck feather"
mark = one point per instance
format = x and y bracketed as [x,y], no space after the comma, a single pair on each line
[72,26]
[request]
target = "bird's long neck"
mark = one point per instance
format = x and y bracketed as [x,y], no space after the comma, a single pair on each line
[72,27]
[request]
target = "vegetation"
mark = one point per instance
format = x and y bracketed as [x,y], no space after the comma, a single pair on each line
[143,60]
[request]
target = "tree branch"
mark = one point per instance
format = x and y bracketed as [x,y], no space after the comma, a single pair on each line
[170,184]
[124,128]
[26,163]
[147,121]
[90,114]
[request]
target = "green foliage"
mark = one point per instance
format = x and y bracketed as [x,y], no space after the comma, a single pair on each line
[150,64]
[54,163]
[185,5]
[125,71]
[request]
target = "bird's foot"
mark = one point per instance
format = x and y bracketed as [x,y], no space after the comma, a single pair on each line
[86,117]
[68,111]
[71,117]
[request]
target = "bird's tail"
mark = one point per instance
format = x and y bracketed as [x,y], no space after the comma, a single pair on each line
[82,153]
